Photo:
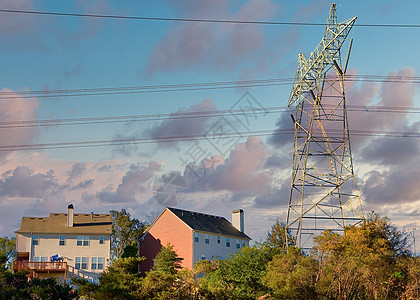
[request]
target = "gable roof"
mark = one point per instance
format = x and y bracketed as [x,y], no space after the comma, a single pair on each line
[57,223]
[207,223]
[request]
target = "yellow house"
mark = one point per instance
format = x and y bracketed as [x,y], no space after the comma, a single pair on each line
[64,245]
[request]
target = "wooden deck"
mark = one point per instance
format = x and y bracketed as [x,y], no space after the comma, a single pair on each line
[37,268]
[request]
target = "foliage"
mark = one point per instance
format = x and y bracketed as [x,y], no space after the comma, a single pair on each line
[362,263]
[7,250]
[276,237]
[240,276]
[370,261]
[121,280]
[292,275]
[126,231]
[17,286]
[167,261]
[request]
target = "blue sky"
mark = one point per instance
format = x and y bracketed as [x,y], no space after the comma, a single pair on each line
[43,53]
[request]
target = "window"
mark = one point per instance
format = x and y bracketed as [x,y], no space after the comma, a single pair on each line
[207,239]
[218,239]
[35,239]
[81,263]
[97,263]
[203,256]
[196,238]
[238,244]
[227,242]
[101,239]
[40,259]
[82,240]
[243,244]
[62,240]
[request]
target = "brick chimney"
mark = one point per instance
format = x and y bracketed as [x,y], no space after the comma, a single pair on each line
[238,219]
[70,215]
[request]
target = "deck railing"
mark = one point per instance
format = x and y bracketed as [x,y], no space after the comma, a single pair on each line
[40,266]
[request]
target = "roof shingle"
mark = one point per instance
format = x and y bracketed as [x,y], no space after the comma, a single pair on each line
[207,223]
[57,223]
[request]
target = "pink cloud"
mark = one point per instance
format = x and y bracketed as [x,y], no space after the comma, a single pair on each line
[16,108]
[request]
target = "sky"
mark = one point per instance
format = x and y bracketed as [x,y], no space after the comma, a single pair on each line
[41,54]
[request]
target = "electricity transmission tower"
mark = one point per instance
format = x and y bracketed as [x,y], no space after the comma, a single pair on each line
[323,191]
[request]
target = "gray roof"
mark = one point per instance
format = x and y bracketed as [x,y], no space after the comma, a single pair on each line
[208,223]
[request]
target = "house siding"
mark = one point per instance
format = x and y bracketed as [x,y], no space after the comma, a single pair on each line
[167,229]
[48,245]
[213,249]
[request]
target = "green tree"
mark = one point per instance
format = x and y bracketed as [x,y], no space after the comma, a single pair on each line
[8,250]
[362,263]
[240,276]
[120,281]
[276,237]
[167,260]
[167,280]
[292,275]
[126,231]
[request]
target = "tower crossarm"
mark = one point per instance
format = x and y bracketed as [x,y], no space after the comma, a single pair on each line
[325,54]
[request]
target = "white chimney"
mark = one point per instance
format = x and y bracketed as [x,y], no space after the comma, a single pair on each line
[70,215]
[238,219]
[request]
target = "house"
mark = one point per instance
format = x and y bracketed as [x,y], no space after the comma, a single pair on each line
[194,235]
[64,245]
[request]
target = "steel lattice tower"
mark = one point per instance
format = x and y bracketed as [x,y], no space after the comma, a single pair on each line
[323,193]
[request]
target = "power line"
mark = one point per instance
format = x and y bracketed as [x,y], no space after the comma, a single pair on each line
[190,115]
[186,138]
[181,87]
[138,18]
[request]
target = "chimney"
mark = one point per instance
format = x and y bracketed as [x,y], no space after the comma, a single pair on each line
[70,215]
[238,219]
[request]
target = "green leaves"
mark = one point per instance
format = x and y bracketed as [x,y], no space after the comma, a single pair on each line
[126,231]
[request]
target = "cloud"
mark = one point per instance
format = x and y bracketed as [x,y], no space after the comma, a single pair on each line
[23,182]
[134,182]
[220,46]
[183,126]
[391,186]
[13,107]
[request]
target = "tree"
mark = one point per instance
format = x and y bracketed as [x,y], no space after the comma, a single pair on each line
[8,250]
[167,280]
[292,275]
[126,231]
[276,237]
[362,263]
[241,275]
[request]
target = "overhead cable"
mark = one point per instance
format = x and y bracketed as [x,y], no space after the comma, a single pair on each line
[139,18]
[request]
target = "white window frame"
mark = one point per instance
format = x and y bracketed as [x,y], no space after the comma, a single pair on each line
[81,263]
[101,240]
[196,237]
[228,242]
[207,239]
[82,240]
[219,239]
[238,244]
[62,240]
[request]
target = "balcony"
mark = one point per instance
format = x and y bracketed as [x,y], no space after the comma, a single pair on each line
[35,268]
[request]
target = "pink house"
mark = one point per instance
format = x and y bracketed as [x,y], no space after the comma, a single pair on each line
[194,235]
